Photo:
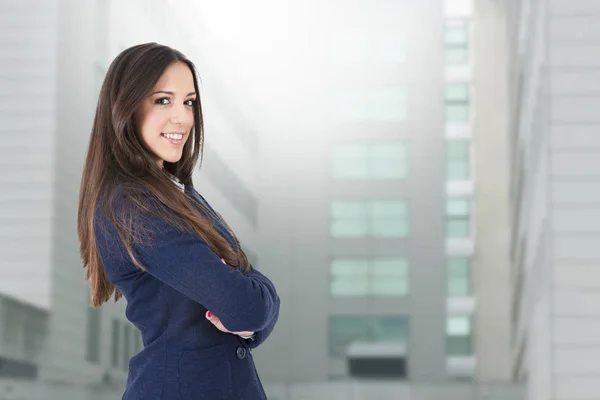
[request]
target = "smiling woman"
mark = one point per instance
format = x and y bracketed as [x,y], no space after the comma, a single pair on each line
[167,115]
[190,289]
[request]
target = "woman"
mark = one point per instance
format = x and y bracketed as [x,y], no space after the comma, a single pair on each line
[146,234]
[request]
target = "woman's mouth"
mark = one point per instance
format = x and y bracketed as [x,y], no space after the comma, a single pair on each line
[175,138]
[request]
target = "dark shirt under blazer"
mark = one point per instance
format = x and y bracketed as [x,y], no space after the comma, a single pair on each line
[185,357]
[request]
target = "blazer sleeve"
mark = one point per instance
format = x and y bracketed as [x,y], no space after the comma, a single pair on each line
[262,335]
[182,260]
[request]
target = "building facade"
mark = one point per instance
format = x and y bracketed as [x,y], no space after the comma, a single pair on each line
[554,68]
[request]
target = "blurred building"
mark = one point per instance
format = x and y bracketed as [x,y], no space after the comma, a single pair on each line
[376,197]
[491,165]
[554,100]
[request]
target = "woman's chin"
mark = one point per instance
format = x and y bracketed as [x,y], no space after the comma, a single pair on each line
[172,158]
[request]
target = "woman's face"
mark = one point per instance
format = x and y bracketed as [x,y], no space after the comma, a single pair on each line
[167,115]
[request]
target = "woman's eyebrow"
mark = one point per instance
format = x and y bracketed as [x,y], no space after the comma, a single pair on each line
[171,93]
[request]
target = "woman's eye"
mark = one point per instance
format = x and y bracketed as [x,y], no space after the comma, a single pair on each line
[162,100]
[190,102]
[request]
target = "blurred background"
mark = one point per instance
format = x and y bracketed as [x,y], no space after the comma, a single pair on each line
[420,180]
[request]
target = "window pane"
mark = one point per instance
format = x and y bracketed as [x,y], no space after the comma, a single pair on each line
[456,35]
[349,160]
[380,276]
[457,149]
[390,267]
[457,170]
[377,160]
[388,160]
[457,112]
[350,266]
[457,158]
[390,227]
[458,287]
[390,286]
[350,169]
[388,208]
[457,55]
[458,326]
[374,218]
[344,286]
[458,276]
[349,228]
[459,346]
[388,169]
[457,207]
[389,329]
[458,267]
[345,330]
[393,149]
[349,209]
[457,228]
[457,92]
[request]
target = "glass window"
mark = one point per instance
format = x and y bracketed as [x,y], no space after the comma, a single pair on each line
[457,92]
[458,272]
[457,42]
[457,35]
[114,360]
[458,218]
[383,218]
[457,56]
[390,276]
[370,160]
[389,218]
[458,336]
[457,102]
[344,330]
[457,159]
[388,160]
[349,219]
[360,276]
[349,277]
[457,113]
[350,161]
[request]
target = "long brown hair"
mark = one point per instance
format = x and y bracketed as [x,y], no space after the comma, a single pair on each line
[118,159]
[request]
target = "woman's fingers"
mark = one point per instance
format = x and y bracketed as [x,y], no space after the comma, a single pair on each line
[244,333]
[217,323]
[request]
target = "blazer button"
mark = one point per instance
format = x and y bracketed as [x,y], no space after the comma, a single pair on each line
[240,353]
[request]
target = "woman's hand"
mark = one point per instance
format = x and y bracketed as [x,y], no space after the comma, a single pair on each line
[217,322]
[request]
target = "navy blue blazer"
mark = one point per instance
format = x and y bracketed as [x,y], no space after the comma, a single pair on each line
[185,356]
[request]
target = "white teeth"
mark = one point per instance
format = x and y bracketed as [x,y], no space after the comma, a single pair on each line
[174,136]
